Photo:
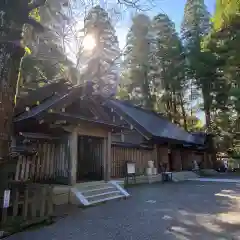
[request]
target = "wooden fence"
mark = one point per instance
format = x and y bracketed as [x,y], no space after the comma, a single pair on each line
[50,165]
[120,155]
[29,203]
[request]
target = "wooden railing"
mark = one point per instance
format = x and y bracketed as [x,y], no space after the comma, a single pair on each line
[28,204]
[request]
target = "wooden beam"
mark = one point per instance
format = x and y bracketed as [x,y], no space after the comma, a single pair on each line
[86,129]
[73,138]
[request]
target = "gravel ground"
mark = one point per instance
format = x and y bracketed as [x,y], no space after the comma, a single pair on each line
[190,210]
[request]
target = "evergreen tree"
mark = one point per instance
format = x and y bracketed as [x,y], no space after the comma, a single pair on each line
[223,42]
[137,58]
[195,26]
[47,60]
[101,63]
[168,68]
[225,13]
[14,14]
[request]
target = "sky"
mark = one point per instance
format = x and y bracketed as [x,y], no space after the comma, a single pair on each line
[173,8]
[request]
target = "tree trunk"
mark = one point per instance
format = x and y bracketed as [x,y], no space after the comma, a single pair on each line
[11,54]
[183,112]
[207,102]
[208,119]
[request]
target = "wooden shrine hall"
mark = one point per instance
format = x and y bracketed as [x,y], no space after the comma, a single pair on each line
[66,134]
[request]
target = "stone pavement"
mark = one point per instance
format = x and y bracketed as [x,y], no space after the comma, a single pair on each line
[189,210]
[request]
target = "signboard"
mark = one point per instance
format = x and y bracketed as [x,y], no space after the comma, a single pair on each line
[131,168]
[6,199]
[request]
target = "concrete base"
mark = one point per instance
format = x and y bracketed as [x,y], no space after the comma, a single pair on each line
[142,179]
[61,194]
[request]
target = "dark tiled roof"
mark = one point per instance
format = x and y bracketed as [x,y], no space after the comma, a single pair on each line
[39,95]
[154,124]
[52,102]
[75,119]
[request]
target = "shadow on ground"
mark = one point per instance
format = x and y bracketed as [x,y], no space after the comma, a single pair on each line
[190,210]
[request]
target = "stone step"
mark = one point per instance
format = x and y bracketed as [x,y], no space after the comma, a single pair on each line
[102,195]
[90,192]
[95,192]
[106,199]
[91,185]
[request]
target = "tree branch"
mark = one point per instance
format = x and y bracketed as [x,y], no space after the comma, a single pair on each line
[36,4]
[37,26]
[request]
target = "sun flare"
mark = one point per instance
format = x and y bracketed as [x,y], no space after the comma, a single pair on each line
[89,42]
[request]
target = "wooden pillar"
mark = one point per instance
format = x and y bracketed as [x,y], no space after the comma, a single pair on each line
[181,160]
[73,140]
[210,162]
[155,156]
[108,162]
[163,156]
[104,156]
[176,158]
[205,160]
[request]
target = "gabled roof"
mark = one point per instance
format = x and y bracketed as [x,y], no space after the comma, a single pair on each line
[49,108]
[39,95]
[55,101]
[150,123]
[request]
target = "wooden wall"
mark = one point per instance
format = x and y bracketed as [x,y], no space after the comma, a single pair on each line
[187,158]
[176,160]
[120,155]
[163,158]
[50,164]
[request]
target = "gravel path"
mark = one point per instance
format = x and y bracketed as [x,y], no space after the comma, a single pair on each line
[190,210]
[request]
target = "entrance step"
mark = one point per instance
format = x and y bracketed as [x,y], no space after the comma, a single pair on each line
[184,176]
[90,193]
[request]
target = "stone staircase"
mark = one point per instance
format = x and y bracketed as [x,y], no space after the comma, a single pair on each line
[184,176]
[91,193]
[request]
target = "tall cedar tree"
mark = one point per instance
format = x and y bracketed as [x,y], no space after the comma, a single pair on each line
[137,61]
[195,26]
[101,64]
[11,53]
[223,42]
[168,68]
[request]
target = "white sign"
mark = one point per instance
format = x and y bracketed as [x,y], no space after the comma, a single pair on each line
[6,199]
[131,168]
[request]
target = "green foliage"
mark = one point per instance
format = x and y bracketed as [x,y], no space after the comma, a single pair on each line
[225,12]
[102,60]
[34,14]
[137,61]
[201,64]
[45,59]
[168,67]
[223,44]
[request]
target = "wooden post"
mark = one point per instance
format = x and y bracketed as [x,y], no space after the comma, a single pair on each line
[104,152]
[25,205]
[73,139]
[43,190]
[181,160]
[108,162]
[155,157]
